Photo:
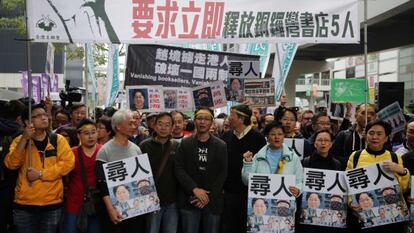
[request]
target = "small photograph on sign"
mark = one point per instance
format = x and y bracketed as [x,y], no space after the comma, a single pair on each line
[203,98]
[323,209]
[380,207]
[138,99]
[270,215]
[236,89]
[170,99]
[135,198]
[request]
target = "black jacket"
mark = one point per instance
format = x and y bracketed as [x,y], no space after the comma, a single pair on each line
[189,177]
[166,184]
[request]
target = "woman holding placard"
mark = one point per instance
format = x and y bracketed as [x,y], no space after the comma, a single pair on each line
[377,134]
[320,159]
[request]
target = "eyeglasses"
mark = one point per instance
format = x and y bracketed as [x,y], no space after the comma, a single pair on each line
[40,115]
[165,125]
[203,119]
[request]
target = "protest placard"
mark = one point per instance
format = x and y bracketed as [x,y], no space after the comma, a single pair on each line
[270,206]
[377,193]
[394,116]
[211,96]
[260,92]
[324,199]
[145,98]
[297,145]
[131,186]
[179,99]
[348,90]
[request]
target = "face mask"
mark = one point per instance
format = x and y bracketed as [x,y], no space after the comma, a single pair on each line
[204,102]
[283,211]
[391,198]
[336,205]
[144,190]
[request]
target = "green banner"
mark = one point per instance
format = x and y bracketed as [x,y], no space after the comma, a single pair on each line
[348,90]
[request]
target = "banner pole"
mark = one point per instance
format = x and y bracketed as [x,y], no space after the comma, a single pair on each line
[366,58]
[86,82]
[29,84]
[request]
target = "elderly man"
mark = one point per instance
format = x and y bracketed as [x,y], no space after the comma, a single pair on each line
[117,148]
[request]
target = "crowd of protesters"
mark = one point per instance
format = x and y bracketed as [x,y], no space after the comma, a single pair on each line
[200,164]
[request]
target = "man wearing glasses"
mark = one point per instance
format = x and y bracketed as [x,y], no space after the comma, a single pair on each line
[161,151]
[201,169]
[39,189]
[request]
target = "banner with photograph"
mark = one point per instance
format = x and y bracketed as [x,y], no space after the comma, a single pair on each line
[131,186]
[202,21]
[179,99]
[145,98]
[260,92]
[178,67]
[324,198]
[377,192]
[270,206]
[393,115]
[297,145]
[212,96]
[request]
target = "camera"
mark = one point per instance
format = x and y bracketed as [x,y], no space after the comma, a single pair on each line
[70,95]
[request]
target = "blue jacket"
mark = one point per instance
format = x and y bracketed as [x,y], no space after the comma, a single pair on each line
[289,164]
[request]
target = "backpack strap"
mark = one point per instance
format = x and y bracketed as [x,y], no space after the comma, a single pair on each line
[53,140]
[394,157]
[356,157]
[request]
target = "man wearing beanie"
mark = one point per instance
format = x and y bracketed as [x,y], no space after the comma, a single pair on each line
[201,169]
[239,140]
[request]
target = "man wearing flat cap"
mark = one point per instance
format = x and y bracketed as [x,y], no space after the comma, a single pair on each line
[201,169]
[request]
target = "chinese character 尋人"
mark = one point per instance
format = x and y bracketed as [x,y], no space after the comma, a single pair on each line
[283,187]
[250,70]
[236,68]
[358,177]
[315,180]
[117,171]
[337,183]
[381,173]
[260,185]
[138,167]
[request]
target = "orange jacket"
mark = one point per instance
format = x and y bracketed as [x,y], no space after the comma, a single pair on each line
[49,189]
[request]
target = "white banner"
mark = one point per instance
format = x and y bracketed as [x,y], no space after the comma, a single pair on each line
[377,193]
[203,21]
[324,199]
[131,186]
[270,206]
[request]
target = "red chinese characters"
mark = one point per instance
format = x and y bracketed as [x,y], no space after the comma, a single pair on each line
[142,14]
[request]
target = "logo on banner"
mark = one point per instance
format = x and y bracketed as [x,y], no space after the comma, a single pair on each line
[46,24]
